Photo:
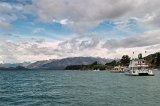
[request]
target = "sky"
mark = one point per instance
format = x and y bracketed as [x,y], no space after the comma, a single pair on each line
[32,30]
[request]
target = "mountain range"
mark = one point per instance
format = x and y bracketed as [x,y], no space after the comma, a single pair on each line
[61,64]
[13,65]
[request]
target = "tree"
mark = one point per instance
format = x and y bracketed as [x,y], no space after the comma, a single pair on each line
[157,59]
[125,60]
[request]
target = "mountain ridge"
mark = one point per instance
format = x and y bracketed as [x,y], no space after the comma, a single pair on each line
[13,65]
[61,64]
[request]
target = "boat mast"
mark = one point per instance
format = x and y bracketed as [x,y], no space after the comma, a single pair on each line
[145,54]
[132,60]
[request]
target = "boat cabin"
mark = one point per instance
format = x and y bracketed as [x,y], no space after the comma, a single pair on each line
[119,69]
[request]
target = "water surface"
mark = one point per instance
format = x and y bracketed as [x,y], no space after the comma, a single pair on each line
[77,88]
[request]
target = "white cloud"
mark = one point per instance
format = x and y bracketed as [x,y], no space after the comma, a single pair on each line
[4,24]
[62,22]
[83,14]
[30,50]
[39,31]
[80,15]
[89,13]
[10,12]
[77,45]
[149,38]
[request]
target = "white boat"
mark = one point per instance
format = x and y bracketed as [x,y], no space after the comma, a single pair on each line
[139,67]
[96,70]
[118,69]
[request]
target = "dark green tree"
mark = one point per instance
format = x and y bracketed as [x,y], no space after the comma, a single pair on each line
[125,60]
[157,59]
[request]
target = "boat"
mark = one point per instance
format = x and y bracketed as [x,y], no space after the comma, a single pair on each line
[139,67]
[96,70]
[118,69]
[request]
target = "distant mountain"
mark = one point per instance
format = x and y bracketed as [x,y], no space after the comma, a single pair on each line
[39,64]
[61,64]
[13,65]
[14,68]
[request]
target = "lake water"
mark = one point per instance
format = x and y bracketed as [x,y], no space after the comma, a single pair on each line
[77,88]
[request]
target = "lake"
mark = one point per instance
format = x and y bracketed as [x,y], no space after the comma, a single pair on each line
[78,88]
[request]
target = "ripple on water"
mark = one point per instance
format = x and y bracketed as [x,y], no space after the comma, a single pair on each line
[77,88]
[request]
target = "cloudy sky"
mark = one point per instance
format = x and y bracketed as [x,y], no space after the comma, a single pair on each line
[32,30]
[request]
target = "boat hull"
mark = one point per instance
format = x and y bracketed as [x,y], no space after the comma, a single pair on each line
[140,74]
[145,74]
